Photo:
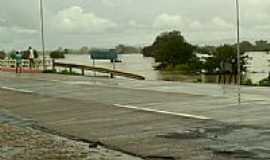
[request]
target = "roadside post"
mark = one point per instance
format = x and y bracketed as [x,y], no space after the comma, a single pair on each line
[114,66]
[94,64]
[42,33]
[238,50]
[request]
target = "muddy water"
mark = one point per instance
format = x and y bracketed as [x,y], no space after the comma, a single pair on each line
[136,63]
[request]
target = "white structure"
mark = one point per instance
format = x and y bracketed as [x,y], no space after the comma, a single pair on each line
[258,66]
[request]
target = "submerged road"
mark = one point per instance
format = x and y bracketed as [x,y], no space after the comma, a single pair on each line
[151,119]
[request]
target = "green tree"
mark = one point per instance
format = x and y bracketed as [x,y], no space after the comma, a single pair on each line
[66,51]
[57,54]
[246,46]
[171,49]
[2,55]
[225,54]
[148,51]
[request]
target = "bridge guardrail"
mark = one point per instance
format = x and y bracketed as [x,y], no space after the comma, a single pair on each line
[98,69]
[25,63]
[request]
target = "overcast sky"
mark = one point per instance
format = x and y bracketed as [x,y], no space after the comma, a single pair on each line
[106,23]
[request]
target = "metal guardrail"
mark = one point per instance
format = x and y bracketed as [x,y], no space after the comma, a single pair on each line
[25,63]
[98,69]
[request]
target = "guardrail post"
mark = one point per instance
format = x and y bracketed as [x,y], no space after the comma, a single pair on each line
[70,69]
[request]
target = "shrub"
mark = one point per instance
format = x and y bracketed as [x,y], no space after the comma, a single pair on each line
[50,71]
[183,68]
[57,54]
[265,82]
[2,55]
[247,82]
[12,55]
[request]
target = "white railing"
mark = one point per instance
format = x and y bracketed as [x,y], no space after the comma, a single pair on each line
[38,63]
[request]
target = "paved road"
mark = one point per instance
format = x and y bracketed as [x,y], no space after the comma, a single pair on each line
[147,118]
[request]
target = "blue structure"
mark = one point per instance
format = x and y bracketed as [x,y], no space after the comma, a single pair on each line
[104,55]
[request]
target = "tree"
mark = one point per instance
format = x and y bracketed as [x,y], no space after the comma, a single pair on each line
[246,46]
[124,49]
[225,55]
[84,50]
[12,54]
[148,51]
[171,49]
[2,55]
[57,54]
[66,51]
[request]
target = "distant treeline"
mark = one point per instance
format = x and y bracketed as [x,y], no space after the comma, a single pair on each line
[11,54]
[261,45]
[121,49]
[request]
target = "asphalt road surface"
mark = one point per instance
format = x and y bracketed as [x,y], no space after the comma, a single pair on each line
[150,119]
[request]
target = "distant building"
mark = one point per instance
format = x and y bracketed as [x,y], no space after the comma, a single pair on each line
[203,57]
[258,66]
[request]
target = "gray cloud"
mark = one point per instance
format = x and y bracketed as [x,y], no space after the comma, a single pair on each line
[74,20]
[73,23]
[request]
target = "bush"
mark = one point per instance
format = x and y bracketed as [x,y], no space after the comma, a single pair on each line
[183,68]
[247,82]
[50,71]
[57,54]
[265,82]
[12,55]
[2,55]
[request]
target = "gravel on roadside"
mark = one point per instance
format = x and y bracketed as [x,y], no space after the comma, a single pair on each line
[25,143]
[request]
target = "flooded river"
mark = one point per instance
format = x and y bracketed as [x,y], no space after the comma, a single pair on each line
[136,63]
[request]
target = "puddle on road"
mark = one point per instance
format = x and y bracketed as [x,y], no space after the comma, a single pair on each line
[10,119]
[196,133]
[236,142]
[248,143]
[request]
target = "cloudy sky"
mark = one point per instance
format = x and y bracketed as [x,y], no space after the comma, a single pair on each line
[106,23]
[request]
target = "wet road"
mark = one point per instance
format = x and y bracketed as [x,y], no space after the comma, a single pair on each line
[149,118]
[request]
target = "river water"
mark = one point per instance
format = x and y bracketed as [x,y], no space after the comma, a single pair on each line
[137,64]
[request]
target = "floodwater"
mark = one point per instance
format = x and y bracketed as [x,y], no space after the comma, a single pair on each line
[133,63]
[258,67]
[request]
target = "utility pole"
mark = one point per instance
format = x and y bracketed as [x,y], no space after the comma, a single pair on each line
[238,51]
[42,33]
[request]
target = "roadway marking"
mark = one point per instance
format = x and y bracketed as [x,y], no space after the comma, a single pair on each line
[17,90]
[162,112]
